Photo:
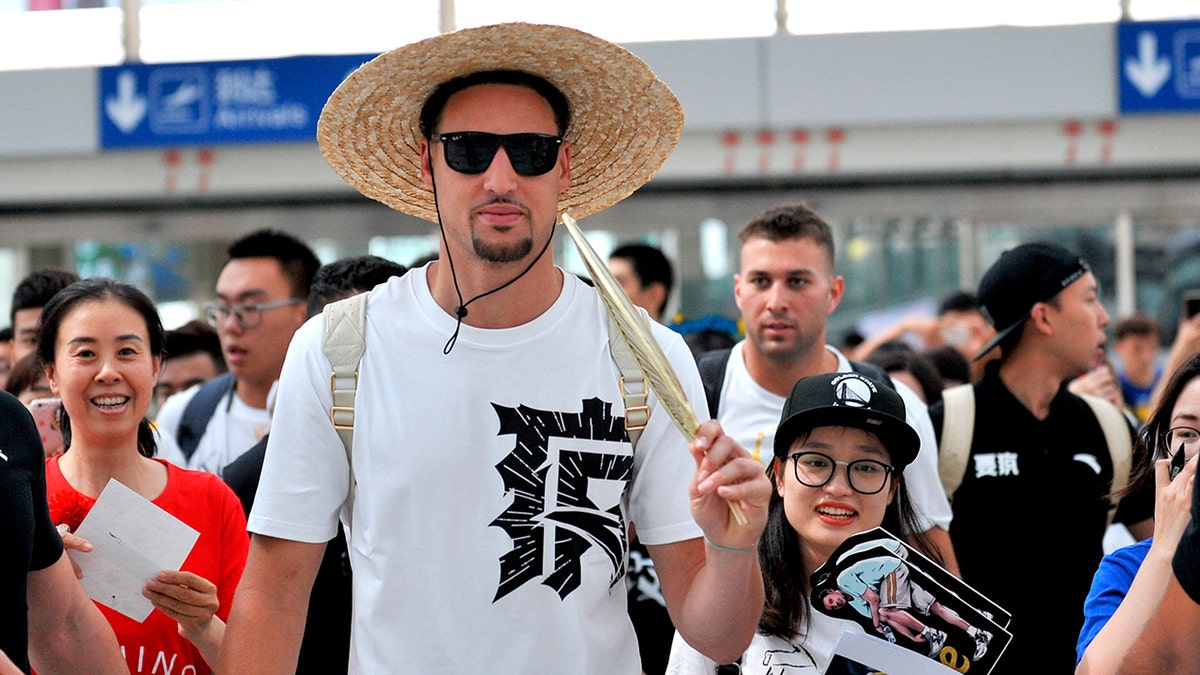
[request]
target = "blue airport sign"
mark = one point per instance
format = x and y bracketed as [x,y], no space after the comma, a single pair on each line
[1158,66]
[218,103]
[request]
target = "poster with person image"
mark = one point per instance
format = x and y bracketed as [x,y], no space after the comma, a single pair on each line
[859,654]
[902,597]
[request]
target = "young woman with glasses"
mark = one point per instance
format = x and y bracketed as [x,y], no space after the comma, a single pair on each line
[1131,581]
[840,451]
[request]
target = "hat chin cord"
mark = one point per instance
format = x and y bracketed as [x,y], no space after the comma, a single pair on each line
[460,311]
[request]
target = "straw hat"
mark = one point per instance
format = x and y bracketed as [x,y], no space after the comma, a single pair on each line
[624,120]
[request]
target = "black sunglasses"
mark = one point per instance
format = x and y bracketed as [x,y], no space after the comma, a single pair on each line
[471,152]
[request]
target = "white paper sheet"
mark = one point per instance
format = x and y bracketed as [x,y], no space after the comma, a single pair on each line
[132,540]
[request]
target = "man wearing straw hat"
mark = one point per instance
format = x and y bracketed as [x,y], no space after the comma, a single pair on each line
[493,478]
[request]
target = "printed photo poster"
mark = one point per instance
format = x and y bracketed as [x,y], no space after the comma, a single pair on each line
[902,597]
[860,654]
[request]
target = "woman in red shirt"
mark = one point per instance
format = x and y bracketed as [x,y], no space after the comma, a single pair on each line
[101,343]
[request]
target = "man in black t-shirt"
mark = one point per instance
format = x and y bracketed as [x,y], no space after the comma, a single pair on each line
[45,616]
[1031,511]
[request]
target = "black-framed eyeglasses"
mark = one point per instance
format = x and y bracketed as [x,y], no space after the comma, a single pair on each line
[1187,438]
[471,152]
[1178,444]
[247,314]
[816,469]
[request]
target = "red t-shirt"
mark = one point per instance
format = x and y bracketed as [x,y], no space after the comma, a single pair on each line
[206,504]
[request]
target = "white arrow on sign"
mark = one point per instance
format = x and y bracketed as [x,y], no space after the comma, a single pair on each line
[1149,71]
[126,109]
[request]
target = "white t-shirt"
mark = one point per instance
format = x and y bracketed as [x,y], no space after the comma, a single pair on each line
[805,654]
[749,413]
[494,485]
[233,429]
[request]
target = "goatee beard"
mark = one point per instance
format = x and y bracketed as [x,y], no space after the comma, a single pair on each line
[502,254]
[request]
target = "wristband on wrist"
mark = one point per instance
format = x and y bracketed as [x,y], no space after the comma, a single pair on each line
[727,549]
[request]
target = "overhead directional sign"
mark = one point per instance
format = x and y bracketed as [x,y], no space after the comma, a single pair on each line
[1158,66]
[266,101]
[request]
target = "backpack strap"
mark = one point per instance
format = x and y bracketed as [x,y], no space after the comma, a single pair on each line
[1120,446]
[712,374]
[344,342]
[199,410]
[958,431]
[632,382]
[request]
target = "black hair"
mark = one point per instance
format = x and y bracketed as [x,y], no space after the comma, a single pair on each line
[790,221]
[1137,324]
[707,340]
[424,260]
[950,364]
[852,338]
[345,277]
[195,337]
[295,258]
[6,334]
[36,289]
[785,578]
[897,356]
[959,301]
[650,266]
[435,105]
[100,289]
[1147,447]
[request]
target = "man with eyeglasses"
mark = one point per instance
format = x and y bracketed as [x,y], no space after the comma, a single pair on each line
[262,293]
[492,472]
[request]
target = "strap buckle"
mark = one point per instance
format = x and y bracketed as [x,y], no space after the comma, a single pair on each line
[344,413]
[636,416]
[347,411]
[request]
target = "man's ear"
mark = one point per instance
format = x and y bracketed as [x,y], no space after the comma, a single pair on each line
[426,169]
[1041,317]
[837,288]
[658,294]
[564,164]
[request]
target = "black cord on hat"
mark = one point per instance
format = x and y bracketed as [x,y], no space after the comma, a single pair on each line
[460,310]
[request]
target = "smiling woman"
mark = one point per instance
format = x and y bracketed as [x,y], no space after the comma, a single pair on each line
[841,448]
[102,346]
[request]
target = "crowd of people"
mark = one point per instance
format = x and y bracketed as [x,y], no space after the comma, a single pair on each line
[456,467]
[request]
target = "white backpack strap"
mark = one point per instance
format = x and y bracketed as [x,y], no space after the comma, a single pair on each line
[958,430]
[345,340]
[632,382]
[1120,446]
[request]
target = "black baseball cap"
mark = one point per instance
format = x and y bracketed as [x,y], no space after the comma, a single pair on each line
[1021,278]
[848,400]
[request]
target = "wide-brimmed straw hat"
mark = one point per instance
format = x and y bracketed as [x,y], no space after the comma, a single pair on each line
[624,120]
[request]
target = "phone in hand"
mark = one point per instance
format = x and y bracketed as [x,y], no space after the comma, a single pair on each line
[1177,462]
[1191,303]
[45,414]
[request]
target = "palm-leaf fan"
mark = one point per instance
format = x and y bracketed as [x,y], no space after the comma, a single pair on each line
[646,351]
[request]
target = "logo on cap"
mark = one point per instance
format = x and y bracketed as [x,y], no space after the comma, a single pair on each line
[852,390]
